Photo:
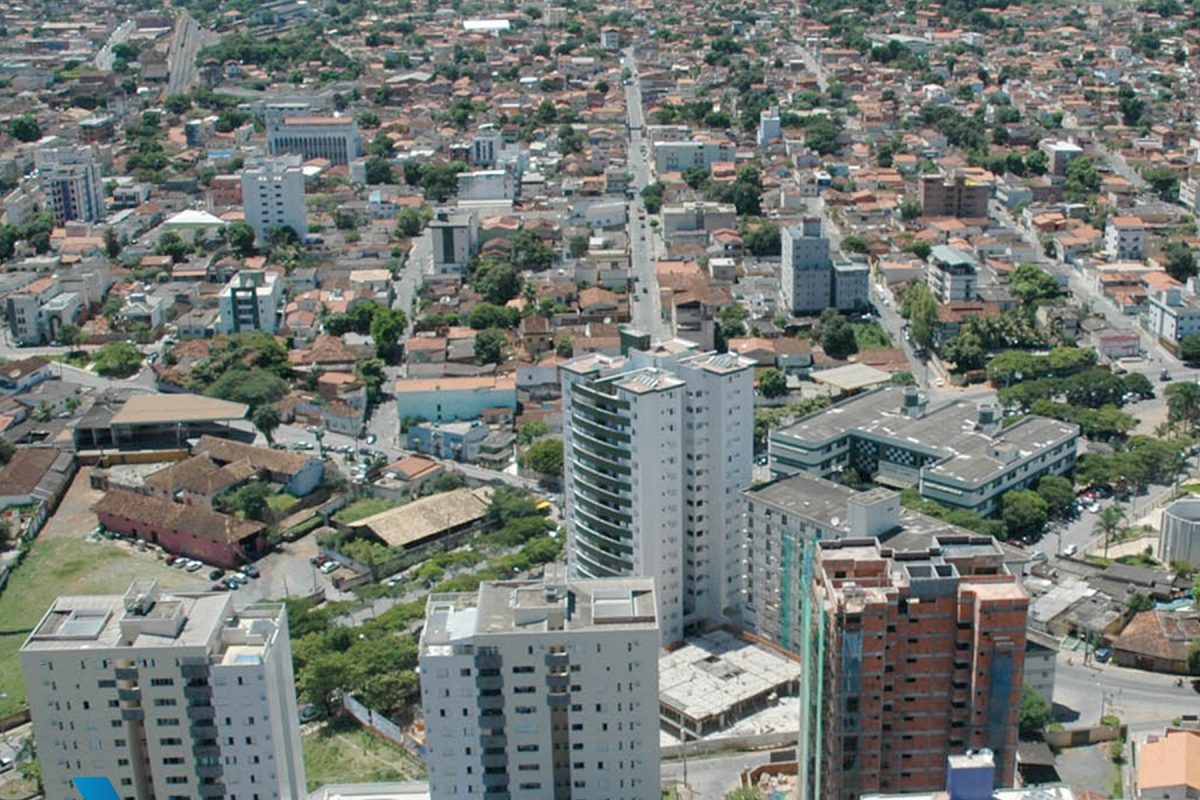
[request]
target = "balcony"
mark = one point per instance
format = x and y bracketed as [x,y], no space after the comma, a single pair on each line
[206,748]
[204,731]
[212,790]
[208,770]
[133,695]
[201,713]
[125,673]
[133,714]
[198,694]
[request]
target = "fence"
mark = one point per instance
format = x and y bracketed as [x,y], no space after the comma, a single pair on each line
[382,726]
[759,741]
[1079,737]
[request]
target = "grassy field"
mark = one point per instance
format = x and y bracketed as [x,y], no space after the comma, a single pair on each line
[342,752]
[361,509]
[870,335]
[65,566]
[281,503]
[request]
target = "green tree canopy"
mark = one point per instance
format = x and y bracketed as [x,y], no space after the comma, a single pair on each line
[1024,513]
[117,360]
[1035,713]
[490,346]
[25,128]
[545,457]
[772,383]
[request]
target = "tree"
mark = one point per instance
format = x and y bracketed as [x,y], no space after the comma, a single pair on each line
[1189,348]
[1058,493]
[71,335]
[1179,261]
[373,374]
[387,326]
[490,345]
[772,383]
[177,103]
[251,500]
[746,793]
[836,334]
[762,239]
[409,222]
[117,360]
[530,253]
[1024,514]
[25,128]
[545,457]
[1110,525]
[821,134]
[1034,714]
[652,196]
[920,309]
[855,244]
[240,237]
[1138,384]
[112,245]
[170,244]
[1164,182]
[379,170]
[489,315]
[1183,404]
[530,431]
[497,281]
[266,419]
[910,209]
[578,246]
[1139,602]
[1030,282]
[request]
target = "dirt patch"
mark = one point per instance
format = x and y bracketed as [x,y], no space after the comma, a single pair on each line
[74,516]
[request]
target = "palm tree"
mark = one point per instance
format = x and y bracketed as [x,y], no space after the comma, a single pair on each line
[1110,525]
[266,419]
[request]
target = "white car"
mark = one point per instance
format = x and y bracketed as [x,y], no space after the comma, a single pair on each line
[938,382]
[329,566]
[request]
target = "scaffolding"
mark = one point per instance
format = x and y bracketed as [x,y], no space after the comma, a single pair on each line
[810,747]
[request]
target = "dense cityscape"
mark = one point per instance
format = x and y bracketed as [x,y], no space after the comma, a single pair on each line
[576,400]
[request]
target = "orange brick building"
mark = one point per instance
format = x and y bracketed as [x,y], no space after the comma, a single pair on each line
[924,652]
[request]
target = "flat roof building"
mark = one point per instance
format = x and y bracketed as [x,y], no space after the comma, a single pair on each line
[171,695]
[544,688]
[956,452]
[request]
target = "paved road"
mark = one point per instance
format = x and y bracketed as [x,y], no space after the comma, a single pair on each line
[105,57]
[181,60]
[644,240]
[1145,700]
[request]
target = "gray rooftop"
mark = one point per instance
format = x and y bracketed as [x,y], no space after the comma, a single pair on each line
[531,606]
[949,431]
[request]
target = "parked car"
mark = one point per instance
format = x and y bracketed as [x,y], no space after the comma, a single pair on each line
[1103,654]
[170,560]
[371,439]
[329,566]
[220,587]
[241,577]
[231,584]
[194,565]
[1070,550]
[216,575]
[251,570]
[309,712]
[180,563]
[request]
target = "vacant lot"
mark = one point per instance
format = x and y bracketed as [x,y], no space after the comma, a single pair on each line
[342,752]
[361,509]
[62,565]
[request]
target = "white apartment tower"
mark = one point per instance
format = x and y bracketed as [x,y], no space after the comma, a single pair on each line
[70,178]
[657,448]
[273,196]
[250,302]
[174,697]
[542,690]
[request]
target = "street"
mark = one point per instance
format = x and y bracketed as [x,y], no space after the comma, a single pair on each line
[712,778]
[105,56]
[1146,700]
[181,59]
[644,239]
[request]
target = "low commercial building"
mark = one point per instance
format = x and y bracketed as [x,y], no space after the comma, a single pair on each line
[1179,536]
[154,421]
[956,452]
[451,441]
[450,398]
[543,688]
[714,680]
[428,519]
[1158,641]
[185,530]
[1041,657]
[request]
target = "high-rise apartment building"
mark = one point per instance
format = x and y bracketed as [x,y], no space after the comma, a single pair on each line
[809,280]
[273,196]
[334,138]
[174,697]
[250,302]
[911,634]
[542,690]
[955,195]
[953,274]
[70,178]
[657,448]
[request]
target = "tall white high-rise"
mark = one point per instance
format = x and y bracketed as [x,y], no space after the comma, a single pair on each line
[658,446]
[174,697]
[70,178]
[542,689]
[273,196]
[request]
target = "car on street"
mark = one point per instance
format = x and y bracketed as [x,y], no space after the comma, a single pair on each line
[938,382]
[1103,654]
[372,439]
[1070,550]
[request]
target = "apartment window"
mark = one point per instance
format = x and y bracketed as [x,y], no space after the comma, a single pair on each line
[161,681]
[177,779]
[172,760]
[164,701]
[167,722]
[169,741]
[526,709]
